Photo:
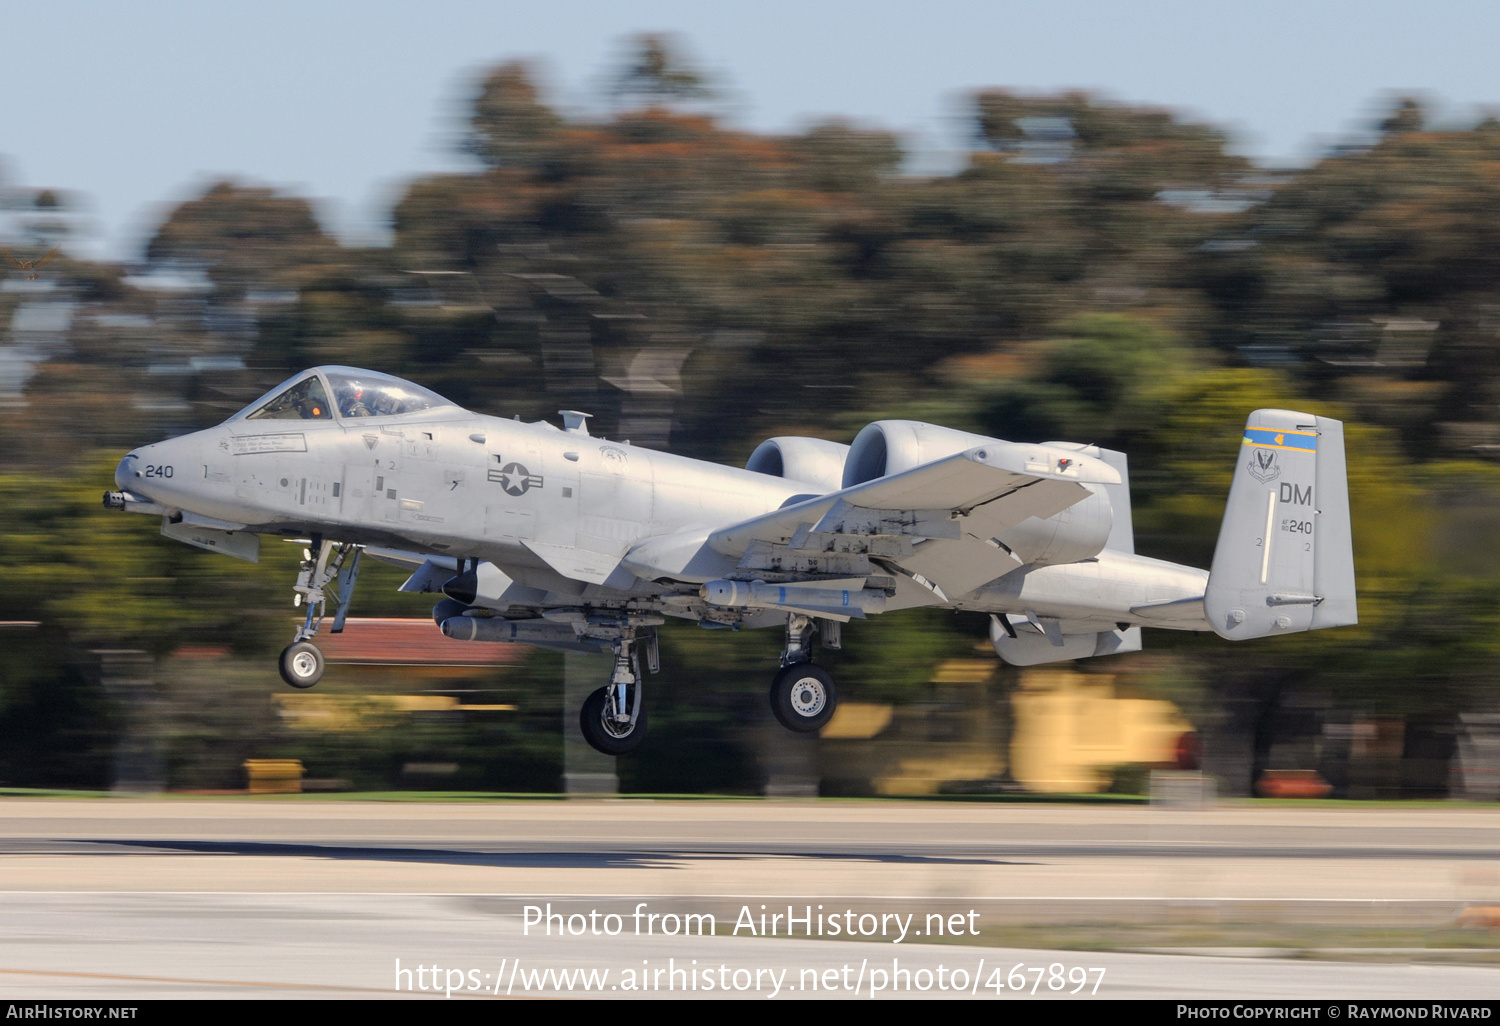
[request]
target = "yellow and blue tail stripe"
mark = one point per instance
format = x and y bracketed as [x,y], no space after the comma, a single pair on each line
[1269,438]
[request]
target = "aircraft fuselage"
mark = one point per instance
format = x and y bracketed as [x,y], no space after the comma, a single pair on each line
[480,487]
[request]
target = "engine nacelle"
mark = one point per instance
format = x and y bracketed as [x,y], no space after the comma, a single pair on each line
[1078,532]
[892,446]
[816,461]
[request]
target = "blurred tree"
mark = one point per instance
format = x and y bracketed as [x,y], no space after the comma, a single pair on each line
[112,581]
[1097,271]
[510,125]
[242,235]
[1102,381]
[837,156]
[1406,115]
[657,73]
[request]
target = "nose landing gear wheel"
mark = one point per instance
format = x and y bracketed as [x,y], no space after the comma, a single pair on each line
[604,733]
[301,664]
[803,697]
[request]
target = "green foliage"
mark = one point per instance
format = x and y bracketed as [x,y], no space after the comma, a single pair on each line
[511,126]
[1102,380]
[242,234]
[111,580]
[1129,778]
[836,156]
[57,727]
[1097,272]
[657,71]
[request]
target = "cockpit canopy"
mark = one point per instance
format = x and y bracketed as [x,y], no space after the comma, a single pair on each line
[355,393]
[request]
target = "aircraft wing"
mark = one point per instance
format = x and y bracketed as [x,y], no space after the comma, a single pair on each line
[959,504]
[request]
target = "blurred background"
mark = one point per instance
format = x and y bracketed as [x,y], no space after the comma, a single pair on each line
[1066,266]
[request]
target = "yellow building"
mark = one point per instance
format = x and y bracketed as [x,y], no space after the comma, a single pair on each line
[1071,731]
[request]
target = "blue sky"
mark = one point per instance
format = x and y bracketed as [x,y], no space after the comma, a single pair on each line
[139,105]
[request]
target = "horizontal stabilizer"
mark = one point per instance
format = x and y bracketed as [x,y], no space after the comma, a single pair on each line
[1180,615]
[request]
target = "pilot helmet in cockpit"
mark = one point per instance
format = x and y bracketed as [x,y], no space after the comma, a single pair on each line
[351,393]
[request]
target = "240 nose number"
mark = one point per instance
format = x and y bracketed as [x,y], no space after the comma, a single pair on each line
[155,470]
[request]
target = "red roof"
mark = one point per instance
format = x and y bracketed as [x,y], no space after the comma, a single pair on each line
[409,642]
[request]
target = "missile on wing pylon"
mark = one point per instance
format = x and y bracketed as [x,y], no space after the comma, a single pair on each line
[814,596]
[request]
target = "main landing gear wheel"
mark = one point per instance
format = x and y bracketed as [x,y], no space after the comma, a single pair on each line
[605,733]
[803,697]
[301,664]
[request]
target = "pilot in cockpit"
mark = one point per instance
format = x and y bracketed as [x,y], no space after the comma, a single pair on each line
[351,394]
[356,394]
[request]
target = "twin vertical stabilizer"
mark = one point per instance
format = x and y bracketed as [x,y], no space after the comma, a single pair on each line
[1285,557]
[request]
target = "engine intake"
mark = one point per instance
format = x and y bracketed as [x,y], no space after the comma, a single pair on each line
[891,446]
[816,461]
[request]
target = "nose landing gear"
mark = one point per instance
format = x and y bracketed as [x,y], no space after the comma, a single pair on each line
[301,662]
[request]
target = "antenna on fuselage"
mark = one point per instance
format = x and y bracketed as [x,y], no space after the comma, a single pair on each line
[575,423]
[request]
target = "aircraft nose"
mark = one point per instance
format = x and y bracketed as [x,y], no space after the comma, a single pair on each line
[127,474]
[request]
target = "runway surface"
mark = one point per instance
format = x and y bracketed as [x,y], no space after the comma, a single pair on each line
[150,898]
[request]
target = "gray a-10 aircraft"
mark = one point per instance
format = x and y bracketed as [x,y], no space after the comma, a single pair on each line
[550,536]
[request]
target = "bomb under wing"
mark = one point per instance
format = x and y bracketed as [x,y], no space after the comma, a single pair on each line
[833,599]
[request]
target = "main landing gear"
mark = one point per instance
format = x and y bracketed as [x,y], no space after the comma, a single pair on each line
[301,662]
[613,719]
[803,696]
